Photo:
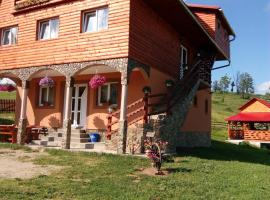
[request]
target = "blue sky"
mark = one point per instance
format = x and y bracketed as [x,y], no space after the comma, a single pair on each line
[250,20]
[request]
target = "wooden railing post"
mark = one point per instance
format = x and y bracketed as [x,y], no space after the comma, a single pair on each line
[145,108]
[109,126]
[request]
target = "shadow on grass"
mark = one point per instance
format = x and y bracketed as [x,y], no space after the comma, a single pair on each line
[228,152]
[6,121]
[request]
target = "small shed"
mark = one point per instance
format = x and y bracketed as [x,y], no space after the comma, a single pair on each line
[251,123]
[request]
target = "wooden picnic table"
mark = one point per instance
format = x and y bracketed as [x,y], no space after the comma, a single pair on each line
[33,132]
[8,133]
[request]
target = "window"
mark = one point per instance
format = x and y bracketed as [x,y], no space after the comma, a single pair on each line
[46,96]
[9,36]
[108,94]
[184,61]
[48,29]
[95,20]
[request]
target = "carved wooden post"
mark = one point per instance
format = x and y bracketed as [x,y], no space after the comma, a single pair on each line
[122,136]
[109,126]
[23,121]
[67,117]
[145,108]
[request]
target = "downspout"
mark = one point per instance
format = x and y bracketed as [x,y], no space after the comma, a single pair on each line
[223,66]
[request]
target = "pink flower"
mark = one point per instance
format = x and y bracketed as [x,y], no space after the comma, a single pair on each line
[46,82]
[97,81]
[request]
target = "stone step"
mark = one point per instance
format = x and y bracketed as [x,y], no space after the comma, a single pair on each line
[80,140]
[79,135]
[54,144]
[61,130]
[89,145]
[39,142]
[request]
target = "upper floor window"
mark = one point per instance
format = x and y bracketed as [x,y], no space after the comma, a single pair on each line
[95,20]
[48,29]
[9,35]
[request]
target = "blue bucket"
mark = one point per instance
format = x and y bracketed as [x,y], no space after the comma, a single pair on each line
[94,137]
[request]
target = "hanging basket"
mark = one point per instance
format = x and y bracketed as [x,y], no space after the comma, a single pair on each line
[97,81]
[46,82]
[7,88]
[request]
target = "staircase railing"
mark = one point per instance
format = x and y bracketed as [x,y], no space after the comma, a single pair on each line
[146,106]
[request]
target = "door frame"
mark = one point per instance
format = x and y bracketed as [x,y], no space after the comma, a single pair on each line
[84,116]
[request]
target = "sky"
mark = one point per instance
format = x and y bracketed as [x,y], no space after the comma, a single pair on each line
[250,52]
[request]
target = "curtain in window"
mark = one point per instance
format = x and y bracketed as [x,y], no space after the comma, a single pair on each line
[102,19]
[13,35]
[6,37]
[44,30]
[54,26]
[90,22]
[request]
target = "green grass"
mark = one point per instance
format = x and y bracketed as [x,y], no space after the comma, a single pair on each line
[7,95]
[224,171]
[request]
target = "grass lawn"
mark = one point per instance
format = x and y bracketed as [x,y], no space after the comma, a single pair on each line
[7,95]
[224,171]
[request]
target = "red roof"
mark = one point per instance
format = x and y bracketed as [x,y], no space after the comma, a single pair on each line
[251,117]
[264,102]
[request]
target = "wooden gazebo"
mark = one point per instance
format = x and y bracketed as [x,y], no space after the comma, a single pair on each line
[252,123]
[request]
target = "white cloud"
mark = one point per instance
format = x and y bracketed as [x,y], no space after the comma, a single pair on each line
[263,88]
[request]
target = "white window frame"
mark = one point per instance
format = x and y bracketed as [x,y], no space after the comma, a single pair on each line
[50,21]
[10,41]
[108,93]
[47,95]
[183,48]
[96,22]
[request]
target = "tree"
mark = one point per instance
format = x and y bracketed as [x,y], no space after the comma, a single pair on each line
[246,85]
[224,83]
[216,86]
[237,82]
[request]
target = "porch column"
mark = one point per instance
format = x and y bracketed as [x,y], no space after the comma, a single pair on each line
[67,117]
[122,135]
[22,120]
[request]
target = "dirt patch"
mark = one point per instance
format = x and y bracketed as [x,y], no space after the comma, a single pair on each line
[151,171]
[19,164]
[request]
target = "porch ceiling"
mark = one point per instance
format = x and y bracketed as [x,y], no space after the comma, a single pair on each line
[97,69]
[47,72]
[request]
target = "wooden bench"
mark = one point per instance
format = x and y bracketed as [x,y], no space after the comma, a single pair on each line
[8,133]
[33,132]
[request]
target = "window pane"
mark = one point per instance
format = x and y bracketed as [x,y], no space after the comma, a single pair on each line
[113,94]
[51,96]
[13,35]
[81,91]
[54,28]
[73,105]
[78,118]
[73,92]
[104,94]
[44,30]
[79,104]
[102,19]
[6,37]
[90,22]
[43,96]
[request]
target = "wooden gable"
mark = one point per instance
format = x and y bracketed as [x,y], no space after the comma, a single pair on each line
[256,105]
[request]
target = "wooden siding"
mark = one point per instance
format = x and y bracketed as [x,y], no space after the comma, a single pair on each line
[210,21]
[71,45]
[153,41]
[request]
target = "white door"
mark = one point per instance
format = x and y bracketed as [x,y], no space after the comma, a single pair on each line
[79,105]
